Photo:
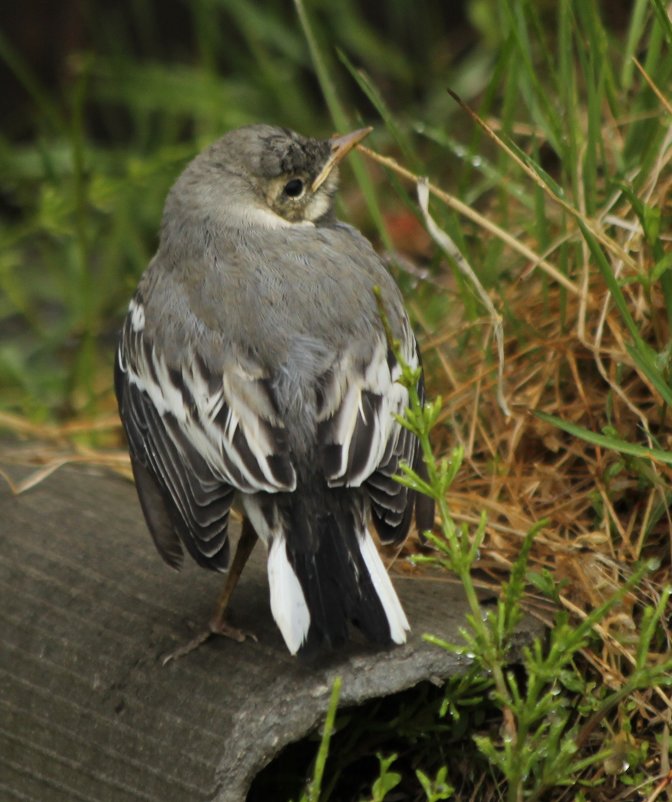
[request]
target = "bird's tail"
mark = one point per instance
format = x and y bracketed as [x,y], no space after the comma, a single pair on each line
[332,576]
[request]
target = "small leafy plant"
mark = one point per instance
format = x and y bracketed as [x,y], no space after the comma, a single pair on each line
[540,747]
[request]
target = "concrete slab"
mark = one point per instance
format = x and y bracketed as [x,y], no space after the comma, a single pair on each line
[87,608]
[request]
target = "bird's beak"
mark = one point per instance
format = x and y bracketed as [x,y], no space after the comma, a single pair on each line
[340,147]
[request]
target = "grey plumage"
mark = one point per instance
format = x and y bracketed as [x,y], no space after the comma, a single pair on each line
[253,364]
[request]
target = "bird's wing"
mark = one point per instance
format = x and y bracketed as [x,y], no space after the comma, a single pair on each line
[195,437]
[362,442]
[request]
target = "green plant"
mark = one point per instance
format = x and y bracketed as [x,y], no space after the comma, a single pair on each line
[438,788]
[387,780]
[541,744]
[312,793]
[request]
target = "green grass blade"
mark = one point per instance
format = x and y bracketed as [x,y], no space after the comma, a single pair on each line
[607,441]
[366,85]
[663,18]
[641,352]
[341,121]
[632,44]
[30,83]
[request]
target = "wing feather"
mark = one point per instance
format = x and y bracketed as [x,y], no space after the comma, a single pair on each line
[196,437]
[362,442]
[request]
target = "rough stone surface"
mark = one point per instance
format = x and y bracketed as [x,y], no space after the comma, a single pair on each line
[87,609]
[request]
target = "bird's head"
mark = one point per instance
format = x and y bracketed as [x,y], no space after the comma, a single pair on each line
[266,176]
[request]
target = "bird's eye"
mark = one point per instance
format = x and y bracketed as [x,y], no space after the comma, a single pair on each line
[294,188]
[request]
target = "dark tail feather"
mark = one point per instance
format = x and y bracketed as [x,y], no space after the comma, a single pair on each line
[342,580]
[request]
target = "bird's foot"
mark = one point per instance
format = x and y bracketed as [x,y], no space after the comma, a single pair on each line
[214,628]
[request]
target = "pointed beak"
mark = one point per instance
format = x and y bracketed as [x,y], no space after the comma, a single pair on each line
[340,147]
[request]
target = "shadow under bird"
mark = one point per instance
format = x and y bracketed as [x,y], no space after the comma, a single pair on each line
[253,368]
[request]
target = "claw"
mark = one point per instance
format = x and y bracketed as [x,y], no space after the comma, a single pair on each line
[222,628]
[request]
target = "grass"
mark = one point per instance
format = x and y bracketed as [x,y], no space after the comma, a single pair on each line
[564,166]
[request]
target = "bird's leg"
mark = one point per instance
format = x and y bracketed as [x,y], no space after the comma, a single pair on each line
[218,625]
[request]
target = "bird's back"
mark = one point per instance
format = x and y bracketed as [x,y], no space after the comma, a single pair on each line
[253,362]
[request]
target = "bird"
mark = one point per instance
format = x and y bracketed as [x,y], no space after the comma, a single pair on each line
[254,372]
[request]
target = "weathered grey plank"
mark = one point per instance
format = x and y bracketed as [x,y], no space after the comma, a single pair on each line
[87,608]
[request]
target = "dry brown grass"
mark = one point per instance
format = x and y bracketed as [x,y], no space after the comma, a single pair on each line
[567,355]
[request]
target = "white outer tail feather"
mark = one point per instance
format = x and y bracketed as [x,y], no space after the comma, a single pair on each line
[396,617]
[288,602]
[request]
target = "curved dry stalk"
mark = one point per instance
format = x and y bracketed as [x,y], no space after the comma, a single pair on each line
[461,208]
[448,246]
